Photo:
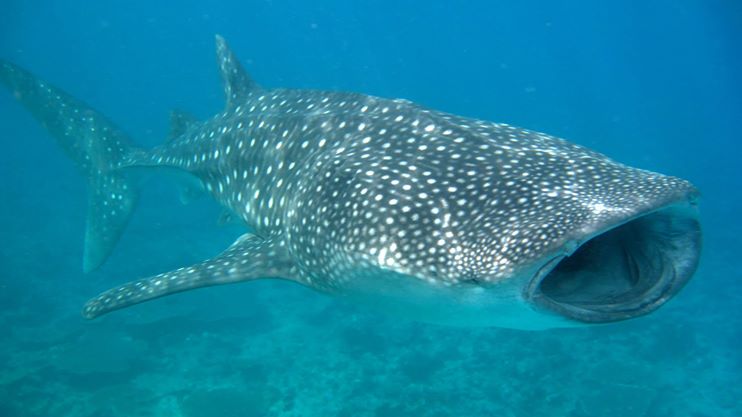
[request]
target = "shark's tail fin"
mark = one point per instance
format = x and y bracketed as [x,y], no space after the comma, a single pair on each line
[98,148]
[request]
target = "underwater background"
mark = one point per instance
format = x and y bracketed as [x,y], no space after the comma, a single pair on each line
[654,84]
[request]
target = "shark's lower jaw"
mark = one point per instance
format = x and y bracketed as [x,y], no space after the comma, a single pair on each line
[624,271]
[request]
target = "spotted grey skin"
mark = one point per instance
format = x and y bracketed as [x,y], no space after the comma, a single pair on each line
[417,212]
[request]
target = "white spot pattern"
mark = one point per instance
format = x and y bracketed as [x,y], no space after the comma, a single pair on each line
[346,178]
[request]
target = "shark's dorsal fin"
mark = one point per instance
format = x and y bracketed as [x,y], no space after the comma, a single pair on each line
[237,83]
[180,121]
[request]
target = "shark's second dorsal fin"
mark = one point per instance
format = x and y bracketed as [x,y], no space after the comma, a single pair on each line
[237,83]
[180,121]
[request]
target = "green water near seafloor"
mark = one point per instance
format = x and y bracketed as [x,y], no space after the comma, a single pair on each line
[269,351]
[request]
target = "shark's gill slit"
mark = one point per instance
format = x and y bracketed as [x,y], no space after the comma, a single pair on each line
[626,271]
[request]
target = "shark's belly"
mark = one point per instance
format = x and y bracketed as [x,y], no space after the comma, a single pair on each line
[463,305]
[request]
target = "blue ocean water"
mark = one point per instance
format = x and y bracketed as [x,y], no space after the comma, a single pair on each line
[653,84]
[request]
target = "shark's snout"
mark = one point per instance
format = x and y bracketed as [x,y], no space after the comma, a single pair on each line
[625,270]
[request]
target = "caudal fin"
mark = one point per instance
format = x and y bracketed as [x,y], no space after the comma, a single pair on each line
[98,148]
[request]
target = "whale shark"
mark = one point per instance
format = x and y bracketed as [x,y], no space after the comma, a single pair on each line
[416,212]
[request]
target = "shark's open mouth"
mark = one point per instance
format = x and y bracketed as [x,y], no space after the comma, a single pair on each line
[626,271]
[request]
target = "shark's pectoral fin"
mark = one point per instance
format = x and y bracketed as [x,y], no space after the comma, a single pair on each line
[250,257]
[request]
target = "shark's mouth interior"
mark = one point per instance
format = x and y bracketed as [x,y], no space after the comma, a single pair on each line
[624,272]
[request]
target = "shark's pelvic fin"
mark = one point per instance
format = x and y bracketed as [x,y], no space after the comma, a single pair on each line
[95,144]
[180,122]
[237,83]
[250,257]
